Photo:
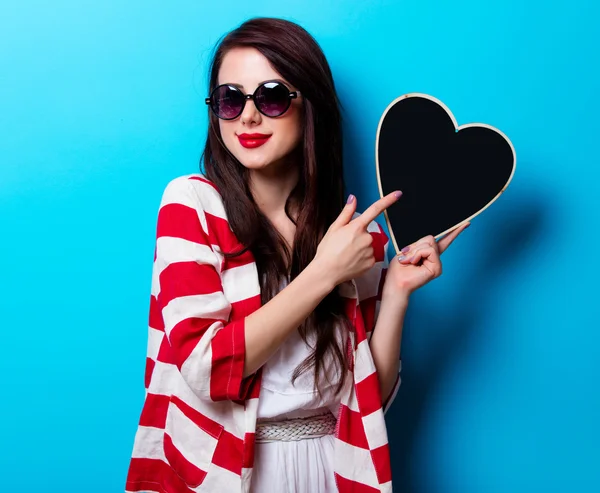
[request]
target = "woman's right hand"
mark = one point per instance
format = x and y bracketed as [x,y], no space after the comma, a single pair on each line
[346,251]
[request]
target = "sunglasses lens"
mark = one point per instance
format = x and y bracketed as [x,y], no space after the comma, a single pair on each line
[227,102]
[273,99]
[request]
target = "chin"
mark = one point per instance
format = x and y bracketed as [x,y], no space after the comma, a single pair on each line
[258,161]
[254,163]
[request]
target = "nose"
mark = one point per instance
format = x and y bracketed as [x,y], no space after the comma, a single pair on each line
[250,115]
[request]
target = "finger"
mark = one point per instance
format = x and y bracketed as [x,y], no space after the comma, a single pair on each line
[377,208]
[425,241]
[433,263]
[346,214]
[429,254]
[447,240]
[415,256]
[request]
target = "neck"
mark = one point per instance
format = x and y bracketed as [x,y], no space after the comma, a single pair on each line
[271,188]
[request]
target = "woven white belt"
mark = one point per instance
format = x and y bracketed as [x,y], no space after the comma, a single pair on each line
[295,429]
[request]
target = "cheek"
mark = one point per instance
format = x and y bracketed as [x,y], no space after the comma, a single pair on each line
[291,130]
[227,130]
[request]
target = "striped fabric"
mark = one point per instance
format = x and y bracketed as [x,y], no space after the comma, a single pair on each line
[196,429]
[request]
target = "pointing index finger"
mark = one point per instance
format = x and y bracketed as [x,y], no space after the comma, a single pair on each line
[377,208]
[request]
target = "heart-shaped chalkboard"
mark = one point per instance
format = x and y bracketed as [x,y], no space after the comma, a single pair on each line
[448,174]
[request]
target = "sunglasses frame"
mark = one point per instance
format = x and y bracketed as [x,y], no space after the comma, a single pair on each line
[291,95]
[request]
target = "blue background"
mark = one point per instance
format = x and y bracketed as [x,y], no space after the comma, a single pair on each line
[101,104]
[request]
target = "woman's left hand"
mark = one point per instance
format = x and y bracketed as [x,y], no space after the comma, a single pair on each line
[418,264]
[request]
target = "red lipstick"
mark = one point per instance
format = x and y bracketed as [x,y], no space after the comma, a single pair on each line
[251,141]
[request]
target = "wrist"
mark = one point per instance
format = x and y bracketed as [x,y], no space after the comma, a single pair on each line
[398,298]
[319,278]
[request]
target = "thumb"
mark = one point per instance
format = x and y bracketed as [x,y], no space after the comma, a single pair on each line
[346,215]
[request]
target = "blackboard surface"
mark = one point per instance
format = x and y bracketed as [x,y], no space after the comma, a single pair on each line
[448,174]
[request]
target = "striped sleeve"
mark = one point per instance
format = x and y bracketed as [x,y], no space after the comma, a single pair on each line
[207,347]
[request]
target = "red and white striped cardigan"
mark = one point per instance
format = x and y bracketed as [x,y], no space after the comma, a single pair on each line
[196,430]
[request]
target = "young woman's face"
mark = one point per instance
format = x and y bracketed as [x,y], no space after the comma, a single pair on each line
[247,68]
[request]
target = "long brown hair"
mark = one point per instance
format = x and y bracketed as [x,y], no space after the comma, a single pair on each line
[319,194]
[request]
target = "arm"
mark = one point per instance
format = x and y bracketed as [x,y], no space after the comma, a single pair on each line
[386,339]
[385,346]
[421,265]
[268,327]
[215,354]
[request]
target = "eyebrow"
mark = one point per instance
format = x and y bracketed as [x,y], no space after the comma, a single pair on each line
[241,86]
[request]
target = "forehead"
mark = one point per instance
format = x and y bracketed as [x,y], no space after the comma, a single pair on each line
[246,67]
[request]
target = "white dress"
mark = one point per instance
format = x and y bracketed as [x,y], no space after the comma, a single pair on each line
[303,466]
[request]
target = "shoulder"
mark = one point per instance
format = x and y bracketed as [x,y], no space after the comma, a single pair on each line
[195,191]
[192,184]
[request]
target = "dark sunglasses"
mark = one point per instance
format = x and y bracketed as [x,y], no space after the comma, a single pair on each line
[272,99]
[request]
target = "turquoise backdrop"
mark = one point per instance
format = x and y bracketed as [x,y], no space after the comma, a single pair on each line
[101,104]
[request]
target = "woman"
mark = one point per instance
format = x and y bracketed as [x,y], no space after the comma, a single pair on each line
[274,339]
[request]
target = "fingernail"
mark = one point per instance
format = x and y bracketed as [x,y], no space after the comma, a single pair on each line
[398,194]
[405,249]
[401,258]
[350,199]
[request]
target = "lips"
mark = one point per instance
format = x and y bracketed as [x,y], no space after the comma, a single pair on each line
[251,141]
